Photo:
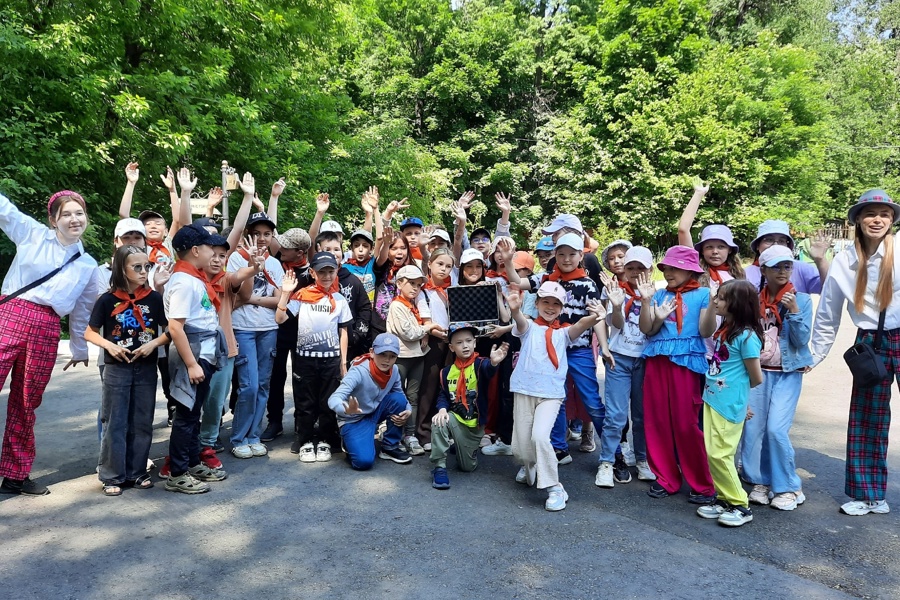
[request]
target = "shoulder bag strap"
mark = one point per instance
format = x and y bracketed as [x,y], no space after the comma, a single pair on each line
[880,329]
[40,281]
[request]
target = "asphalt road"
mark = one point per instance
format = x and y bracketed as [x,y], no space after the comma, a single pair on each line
[277,528]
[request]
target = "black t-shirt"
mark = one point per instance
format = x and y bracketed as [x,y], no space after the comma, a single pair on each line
[123,329]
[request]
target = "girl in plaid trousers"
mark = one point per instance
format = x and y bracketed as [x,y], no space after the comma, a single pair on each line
[867,278]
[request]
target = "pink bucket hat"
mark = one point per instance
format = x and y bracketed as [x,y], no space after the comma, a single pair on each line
[681,257]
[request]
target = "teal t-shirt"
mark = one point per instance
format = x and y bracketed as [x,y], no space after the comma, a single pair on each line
[727,386]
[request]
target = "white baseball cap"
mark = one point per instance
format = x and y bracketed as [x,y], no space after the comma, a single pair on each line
[572,240]
[440,234]
[331,226]
[639,254]
[128,225]
[469,255]
[552,289]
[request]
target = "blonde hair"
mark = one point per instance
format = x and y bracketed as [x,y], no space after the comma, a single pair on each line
[884,292]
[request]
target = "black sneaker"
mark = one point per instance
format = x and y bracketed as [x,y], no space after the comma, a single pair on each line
[621,471]
[171,410]
[398,455]
[26,487]
[218,446]
[698,498]
[563,457]
[272,431]
[295,445]
[657,491]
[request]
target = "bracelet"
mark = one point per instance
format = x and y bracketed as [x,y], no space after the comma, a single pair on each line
[284,308]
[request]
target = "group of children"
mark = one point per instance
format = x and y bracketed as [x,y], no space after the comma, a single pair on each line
[708,367]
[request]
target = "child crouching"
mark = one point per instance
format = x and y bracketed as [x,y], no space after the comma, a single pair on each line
[539,384]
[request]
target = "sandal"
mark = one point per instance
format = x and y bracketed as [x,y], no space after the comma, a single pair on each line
[186,484]
[112,489]
[142,483]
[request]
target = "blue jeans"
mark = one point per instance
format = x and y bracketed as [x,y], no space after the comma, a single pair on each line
[624,386]
[215,403]
[358,436]
[583,372]
[767,454]
[126,412]
[254,373]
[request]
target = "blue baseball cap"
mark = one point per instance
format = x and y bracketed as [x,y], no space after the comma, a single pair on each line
[411,222]
[189,236]
[546,244]
[386,342]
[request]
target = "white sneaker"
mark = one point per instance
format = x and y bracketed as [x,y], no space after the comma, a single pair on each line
[711,511]
[574,435]
[242,452]
[761,494]
[604,477]
[858,508]
[485,441]
[498,448]
[557,498]
[379,433]
[413,446]
[323,452]
[258,449]
[736,516]
[644,472]
[628,454]
[788,500]
[522,476]
[307,453]
[426,447]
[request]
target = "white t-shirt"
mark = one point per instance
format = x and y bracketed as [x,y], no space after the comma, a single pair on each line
[250,317]
[186,298]
[437,307]
[318,335]
[629,341]
[534,373]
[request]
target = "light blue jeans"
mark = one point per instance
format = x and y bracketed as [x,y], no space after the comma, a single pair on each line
[215,403]
[767,454]
[254,373]
[624,387]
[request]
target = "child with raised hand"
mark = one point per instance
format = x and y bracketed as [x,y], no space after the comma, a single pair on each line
[462,403]
[133,321]
[362,260]
[624,382]
[766,452]
[733,370]
[391,254]
[413,326]
[539,384]
[719,255]
[675,320]
[370,393]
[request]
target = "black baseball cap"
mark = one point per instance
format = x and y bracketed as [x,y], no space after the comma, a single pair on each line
[192,235]
[217,240]
[321,260]
[259,217]
[207,222]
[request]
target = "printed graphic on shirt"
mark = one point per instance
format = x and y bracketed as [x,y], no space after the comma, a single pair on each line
[719,355]
[366,274]
[578,293]
[318,333]
[770,356]
[124,329]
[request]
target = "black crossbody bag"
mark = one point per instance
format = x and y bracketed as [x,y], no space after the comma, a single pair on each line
[43,279]
[866,366]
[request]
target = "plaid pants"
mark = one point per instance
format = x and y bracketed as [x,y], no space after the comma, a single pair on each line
[29,336]
[870,423]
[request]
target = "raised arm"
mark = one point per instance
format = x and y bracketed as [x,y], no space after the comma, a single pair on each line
[248,186]
[690,212]
[322,204]
[514,298]
[183,216]
[168,180]
[383,246]
[595,316]
[708,317]
[132,174]
[369,203]
[647,319]
[505,251]
[277,189]
[503,203]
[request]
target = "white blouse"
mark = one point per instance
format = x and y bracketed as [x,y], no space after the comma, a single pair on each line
[38,251]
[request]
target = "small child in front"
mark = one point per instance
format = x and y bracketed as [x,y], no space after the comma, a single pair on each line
[539,384]
[462,403]
[733,369]
[370,393]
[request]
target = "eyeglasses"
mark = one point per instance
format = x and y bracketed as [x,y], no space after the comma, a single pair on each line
[142,268]
[480,240]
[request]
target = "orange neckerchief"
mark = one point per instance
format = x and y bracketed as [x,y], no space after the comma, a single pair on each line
[311,294]
[412,307]
[497,274]
[415,252]
[721,334]
[632,295]
[356,263]
[218,285]
[765,302]
[158,247]
[130,301]
[440,288]
[243,252]
[714,273]
[461,382]
[548,338]
[380,377]
[556,275]
[293,265]
[183,266]
[690,284]
[756,262]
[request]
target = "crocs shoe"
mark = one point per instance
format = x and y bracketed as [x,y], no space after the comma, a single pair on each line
[204,473]
[186,484]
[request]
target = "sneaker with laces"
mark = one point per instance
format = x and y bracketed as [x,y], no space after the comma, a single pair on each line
[204,473]
[587,439]
[272,431]
[788,500]
[563,457]
[413,446]
[604,477]
[485,441]
[307,453]
[323,452]
[858,508]
[760,494]
[657,491]
[439,479]
[621,471]
[736,516]
[498,448]
[556,498]
[259,449]
[712,511]
[243,451]
[398,455]
[24,487]
[208,457]
[644,471]
[698,498]
[165,471]
[628,454]
[522,476]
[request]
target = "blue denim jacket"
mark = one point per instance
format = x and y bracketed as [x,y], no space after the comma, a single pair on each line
[795,334]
